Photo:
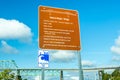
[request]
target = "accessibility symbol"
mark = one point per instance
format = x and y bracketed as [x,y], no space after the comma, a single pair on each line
[43,58]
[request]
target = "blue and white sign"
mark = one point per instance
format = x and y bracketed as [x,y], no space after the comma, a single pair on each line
[43,58]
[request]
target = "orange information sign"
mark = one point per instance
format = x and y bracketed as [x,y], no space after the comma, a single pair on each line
[58,29]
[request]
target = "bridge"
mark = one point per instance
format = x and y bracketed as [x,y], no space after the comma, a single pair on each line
[10,64]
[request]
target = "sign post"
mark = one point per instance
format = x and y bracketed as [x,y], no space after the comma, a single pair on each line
[59,30]
[43,59]
[80,67]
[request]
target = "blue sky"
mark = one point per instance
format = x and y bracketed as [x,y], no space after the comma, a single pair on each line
[99,28]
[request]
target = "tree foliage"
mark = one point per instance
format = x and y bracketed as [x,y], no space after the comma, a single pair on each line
[18,77]
[114,76]
[6,75]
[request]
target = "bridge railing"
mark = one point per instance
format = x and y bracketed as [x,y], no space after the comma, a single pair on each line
[58,74]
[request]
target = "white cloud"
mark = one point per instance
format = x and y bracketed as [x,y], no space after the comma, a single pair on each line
[13,29]
[37,78]
[74,78]
[72,75]
[116,48]
[116,58]
[117,41]
[63,56]
[5,48]
[107,65]
[87,63]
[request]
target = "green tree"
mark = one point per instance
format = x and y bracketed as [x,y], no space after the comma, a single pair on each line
[116,74]
[106,76]
[18,77]
[6,75]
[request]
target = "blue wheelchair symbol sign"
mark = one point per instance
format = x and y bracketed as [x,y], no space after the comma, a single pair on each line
[44,56]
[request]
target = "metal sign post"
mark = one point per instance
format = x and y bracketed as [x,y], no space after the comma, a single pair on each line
[80,67]
[59,30]
[42,76]
[43,59]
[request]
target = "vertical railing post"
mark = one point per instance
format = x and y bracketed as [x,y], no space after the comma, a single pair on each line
[61,75]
